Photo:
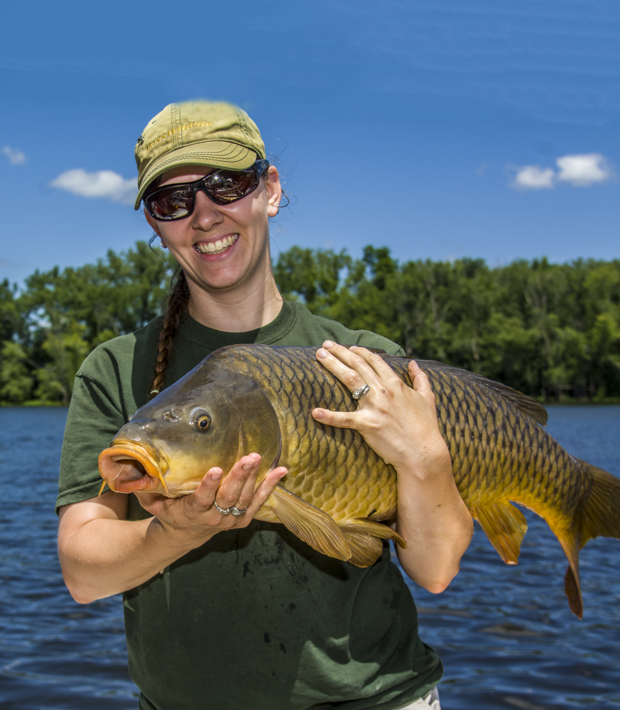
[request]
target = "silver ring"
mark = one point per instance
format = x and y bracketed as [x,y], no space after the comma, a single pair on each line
[223,511]
[237,511]
[358,394]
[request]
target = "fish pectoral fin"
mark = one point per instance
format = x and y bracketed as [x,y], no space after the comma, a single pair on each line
[310,524]
[505,526]
[364,538]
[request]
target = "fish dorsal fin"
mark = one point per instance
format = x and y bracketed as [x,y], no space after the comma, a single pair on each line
[505,526]
[364,538]
[309,523]
[521,401]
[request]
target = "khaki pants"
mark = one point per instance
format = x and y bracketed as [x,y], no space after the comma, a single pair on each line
[430,700]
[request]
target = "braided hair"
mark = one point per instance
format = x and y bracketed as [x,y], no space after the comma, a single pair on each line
[175,312]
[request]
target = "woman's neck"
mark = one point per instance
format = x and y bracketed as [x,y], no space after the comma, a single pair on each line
[239,310]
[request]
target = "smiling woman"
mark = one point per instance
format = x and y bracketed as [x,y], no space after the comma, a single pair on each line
[209,583]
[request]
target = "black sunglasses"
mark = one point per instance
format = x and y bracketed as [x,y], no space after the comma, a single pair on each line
[222,187]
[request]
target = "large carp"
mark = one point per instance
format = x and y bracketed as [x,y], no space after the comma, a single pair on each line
[338,491]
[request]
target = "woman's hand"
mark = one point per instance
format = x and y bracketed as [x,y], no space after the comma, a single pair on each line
[194,519]
[398,422]
[102,553]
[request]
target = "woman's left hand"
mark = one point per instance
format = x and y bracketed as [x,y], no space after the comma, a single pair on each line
[399,423]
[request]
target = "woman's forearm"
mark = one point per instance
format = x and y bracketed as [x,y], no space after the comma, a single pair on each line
[101,556]
[436,525]
[102,553]
[400,424]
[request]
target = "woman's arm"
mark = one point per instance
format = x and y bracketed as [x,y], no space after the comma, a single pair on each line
[102,553]
[400,424]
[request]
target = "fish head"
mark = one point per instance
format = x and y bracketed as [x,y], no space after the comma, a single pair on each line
[172,441]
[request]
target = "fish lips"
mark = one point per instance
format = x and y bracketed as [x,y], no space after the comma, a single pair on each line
[129,467]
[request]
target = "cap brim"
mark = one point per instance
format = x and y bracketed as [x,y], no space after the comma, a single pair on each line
[209,154]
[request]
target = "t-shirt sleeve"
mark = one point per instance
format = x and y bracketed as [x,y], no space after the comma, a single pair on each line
[96,413]
[372,340]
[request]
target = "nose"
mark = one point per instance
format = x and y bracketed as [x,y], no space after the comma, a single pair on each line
[206,213]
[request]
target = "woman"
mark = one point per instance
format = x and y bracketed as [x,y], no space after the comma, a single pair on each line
[223,611]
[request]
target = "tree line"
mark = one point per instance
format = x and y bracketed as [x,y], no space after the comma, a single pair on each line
[549,330]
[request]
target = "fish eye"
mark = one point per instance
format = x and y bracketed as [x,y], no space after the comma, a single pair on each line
[200,419]
[203,422]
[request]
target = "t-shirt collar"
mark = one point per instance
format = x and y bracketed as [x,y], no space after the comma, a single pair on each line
[267,334]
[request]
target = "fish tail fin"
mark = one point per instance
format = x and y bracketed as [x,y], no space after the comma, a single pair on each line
[597,515]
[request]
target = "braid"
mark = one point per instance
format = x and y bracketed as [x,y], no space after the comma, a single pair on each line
[177,306]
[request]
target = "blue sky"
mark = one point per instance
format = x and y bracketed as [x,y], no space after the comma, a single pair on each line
[440,129]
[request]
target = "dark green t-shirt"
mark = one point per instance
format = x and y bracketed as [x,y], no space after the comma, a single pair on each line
[254,618]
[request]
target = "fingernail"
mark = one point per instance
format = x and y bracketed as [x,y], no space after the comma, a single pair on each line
[283,474]
[318,414]
[322,353]
[328,344]
[216,476]
[249,466]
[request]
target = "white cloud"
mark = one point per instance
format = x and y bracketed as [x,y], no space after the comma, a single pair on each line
[16,157]
[584,170]
[533,177]
[104,184]
[576,170]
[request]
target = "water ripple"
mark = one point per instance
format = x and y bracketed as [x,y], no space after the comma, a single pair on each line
[505,634]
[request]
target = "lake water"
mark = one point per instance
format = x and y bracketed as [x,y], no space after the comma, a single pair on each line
[505,634]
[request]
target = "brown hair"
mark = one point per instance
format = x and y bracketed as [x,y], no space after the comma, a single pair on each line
[175,312]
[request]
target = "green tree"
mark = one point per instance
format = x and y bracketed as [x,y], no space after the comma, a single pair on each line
[15,379]
[66,347]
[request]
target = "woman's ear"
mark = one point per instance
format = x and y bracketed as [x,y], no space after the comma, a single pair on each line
[274,191]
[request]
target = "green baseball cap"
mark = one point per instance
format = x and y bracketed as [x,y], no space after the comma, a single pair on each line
[213,134]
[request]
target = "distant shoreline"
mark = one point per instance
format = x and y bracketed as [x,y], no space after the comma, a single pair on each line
[566,402]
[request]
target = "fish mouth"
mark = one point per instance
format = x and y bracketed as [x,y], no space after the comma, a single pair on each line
[128,467]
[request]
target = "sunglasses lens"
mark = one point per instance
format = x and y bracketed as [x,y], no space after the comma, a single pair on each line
[222,187]
[175,203]
[226,186]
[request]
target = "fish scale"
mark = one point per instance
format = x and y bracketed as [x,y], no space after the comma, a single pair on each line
[341,455]
[338,490]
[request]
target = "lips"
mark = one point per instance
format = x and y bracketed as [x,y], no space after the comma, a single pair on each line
[218,246]
[128,467]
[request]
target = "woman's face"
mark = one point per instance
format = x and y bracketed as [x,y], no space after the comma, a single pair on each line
[239,233]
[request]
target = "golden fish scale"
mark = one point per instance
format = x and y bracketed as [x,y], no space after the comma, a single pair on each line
[498,453]
[332,469]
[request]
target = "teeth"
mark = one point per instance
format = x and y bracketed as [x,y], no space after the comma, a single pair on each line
[216,247]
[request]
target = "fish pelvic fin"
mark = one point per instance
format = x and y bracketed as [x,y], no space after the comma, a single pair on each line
[308,523]
[505,526]
[364,538]
[597,515]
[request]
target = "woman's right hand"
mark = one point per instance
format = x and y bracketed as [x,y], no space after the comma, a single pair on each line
[194,519]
